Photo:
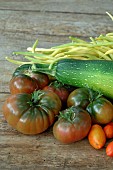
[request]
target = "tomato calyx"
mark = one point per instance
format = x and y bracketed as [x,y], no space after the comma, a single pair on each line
[94,95]
[36,96]
[69,114]
[56,84]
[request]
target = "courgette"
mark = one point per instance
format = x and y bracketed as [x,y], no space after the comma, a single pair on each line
[95,74]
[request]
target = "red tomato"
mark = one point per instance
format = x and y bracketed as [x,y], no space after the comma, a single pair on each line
[60,89]
[73,125]
[109,149]
[32,113]
[22,84]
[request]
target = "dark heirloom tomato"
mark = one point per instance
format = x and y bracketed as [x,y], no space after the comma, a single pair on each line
[79,97]
[26,69]
[22,69]
[60,89]
[73,125]
[31,113]
[22,84]
[101,110]
[42,79]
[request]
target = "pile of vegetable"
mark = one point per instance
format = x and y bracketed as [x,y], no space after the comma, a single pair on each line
[68,87]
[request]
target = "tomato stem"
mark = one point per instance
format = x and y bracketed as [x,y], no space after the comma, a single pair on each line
[93,95]
[69,114]
[36,96]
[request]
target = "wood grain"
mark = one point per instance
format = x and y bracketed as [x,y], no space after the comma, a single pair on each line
[44,151]
[20,29]
[64,6]
[52,22]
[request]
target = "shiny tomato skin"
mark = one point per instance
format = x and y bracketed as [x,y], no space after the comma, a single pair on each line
[41,78]
[59,89]
[26,69]
[109,149]
[22,84]
[78,97]
[69,132]
[62,93]
[31,114]
[101,111]
[22,69]
[96,136]
[108,129]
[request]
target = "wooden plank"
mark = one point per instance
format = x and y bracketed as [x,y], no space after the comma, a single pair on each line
[50,29]
[11,41]
[7,69]
[51,21]
[57,24]
[43,151]
[72,6]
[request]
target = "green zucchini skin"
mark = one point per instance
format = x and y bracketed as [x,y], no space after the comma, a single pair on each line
[95,74]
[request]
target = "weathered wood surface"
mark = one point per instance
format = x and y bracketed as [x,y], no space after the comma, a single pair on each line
[52,22]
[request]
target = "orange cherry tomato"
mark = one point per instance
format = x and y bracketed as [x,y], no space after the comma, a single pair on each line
[109,149]
[108,129]
[97,137]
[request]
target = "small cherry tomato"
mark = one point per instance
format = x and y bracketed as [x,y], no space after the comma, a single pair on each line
[109,149]
[22,84]
[96,136]
[108,129]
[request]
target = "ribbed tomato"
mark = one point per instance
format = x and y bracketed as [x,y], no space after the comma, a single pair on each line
[31,113]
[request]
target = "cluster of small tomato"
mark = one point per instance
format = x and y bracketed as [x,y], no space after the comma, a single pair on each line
[80,112]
